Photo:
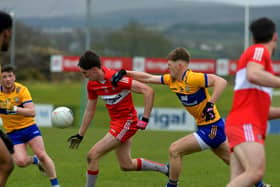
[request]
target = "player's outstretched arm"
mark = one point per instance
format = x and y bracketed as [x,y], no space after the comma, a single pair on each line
[140,76]
[144,77]
[274,113]
[75,140]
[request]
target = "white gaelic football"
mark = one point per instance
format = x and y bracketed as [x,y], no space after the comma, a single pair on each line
[62,117]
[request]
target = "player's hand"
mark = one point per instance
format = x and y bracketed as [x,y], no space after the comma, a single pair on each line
[117,77]
[208,111]
[11,108]
[74,141]
[9,144]
[142,124]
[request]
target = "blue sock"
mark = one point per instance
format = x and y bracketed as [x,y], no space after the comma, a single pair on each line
[35,160]
[259,184]
[54,182]
[172,183]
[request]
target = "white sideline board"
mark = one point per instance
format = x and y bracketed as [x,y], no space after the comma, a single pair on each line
[172,119]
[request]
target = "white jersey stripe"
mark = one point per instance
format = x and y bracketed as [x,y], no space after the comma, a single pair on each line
[248,133]
[124,130]
[116,98]
[258,54]
[241,82]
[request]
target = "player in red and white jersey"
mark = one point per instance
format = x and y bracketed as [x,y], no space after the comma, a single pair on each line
[118,99]
[248,96]
[124,122]
[247,121]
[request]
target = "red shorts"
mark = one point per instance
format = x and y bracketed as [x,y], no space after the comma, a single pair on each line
[238,134]
[123,130]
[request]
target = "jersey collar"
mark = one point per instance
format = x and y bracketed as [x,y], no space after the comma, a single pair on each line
[184,74]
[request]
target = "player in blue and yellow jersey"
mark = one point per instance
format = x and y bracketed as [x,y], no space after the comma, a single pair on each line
[18,115]
[192,90]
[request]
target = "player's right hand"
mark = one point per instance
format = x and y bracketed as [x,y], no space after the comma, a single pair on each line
[117,77]
[208,111]
[143,123]
[74,141]
[11,109]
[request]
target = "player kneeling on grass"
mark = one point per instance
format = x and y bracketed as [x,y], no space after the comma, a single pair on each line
[124,122]
[17,112]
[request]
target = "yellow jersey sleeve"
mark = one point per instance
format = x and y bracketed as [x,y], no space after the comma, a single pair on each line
[166,79]
[197,79]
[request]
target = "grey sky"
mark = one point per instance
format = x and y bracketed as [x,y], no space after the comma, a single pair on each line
[250,2]
[45,8]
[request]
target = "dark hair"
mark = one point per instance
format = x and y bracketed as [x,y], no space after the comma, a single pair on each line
[88,60]
[179,54]
[8,68]
[262,29]
[5,21]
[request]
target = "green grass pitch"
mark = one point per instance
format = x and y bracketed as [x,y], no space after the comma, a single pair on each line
[202,169]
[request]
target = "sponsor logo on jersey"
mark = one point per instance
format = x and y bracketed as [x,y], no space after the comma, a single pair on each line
[116,98]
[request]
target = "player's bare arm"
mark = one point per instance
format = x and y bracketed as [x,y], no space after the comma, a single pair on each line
[257,75]
[27,110]
[144,77]
[274,113]
[218,84]
[148,93]
[88,116]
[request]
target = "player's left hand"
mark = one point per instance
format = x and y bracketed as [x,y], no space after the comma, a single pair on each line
[142,124]
[208,111]
[11,108]
[74,141]
[117,77]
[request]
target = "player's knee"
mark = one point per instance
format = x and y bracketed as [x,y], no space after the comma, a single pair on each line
[91,157]
[23,162]
[174,151]
[256,175]
[42,156]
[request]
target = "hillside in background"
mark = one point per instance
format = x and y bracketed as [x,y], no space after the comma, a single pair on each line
[141,28]
[208,27]
[160,17]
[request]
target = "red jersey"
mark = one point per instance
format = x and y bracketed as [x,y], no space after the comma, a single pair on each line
[118,99]
[251,102]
